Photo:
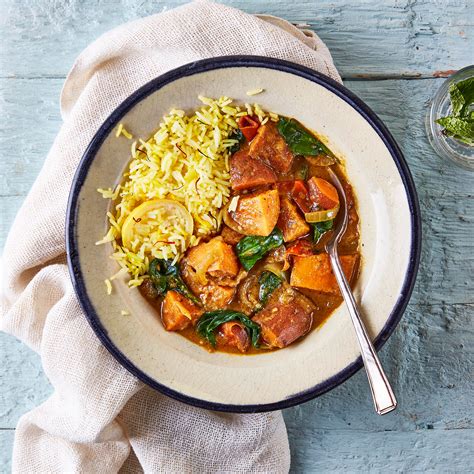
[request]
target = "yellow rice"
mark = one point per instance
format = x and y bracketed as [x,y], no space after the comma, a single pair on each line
[186,160]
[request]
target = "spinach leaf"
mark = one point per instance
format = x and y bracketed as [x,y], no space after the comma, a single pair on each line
[320,228]
[159,280]
[252,248]
[165,276]
[269,282]
[466,91]
[457,100]
[239,136]
[458,128]
[460,124]
[300,141]
[211,320]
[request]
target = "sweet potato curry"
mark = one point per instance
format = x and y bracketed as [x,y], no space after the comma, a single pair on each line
[264,280]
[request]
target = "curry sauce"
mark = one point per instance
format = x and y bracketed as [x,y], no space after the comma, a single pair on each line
[215,271]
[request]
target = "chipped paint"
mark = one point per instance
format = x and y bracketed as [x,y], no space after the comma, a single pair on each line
[447,73]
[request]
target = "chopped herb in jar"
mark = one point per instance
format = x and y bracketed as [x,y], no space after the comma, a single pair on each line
[460,124]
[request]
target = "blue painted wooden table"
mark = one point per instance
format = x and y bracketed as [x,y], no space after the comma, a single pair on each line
[392,53]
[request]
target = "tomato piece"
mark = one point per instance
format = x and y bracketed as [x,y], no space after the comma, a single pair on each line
[299,188]
[300,195]
[248,126]
[298,191]
[302,248]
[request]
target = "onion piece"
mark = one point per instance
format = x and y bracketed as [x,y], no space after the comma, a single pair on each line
[233,203]
[321,216]
[229,221]
[279,270]
[321,160]
[277,256]
[248,293]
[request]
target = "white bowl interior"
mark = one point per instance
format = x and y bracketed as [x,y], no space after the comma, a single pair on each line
[184,367]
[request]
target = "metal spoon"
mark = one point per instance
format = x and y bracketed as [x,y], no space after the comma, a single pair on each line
[382,393]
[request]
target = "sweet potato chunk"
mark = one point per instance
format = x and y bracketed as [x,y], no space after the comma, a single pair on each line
[233,334]
[270,146]
[287,317]
[315,272]
[323,193]
[211,271]
[290,221]
[257,213]
[247,172]
[214,258]
[212,294]
[177,312]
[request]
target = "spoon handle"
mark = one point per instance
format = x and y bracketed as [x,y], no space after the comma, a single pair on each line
[382,393]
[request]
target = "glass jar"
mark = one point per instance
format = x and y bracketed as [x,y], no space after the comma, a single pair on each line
[445,146]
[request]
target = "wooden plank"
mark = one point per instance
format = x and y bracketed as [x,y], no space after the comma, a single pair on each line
[447,253]
[6,445]
[428,359]
[339,450]
[31,120]
[444,190]
[367,38]
[344,451]
[24,384]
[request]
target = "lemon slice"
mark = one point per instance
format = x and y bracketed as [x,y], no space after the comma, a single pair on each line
[164,208]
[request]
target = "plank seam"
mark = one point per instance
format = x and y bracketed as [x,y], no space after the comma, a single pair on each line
[346,77]
[323,430]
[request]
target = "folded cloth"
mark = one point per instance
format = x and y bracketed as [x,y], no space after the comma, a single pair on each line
[100,418]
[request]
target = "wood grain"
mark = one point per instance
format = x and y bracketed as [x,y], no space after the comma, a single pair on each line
[387,452]
[390,53]
[429,361]
[367,38]
[6,445]
[24,384]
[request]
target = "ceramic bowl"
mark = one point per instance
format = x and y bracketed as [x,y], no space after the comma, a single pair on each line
[390,238]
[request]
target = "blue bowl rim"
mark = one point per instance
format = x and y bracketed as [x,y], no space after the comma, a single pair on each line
[209,65]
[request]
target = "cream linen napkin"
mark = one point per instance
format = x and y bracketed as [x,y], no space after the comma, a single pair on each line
[100,418]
